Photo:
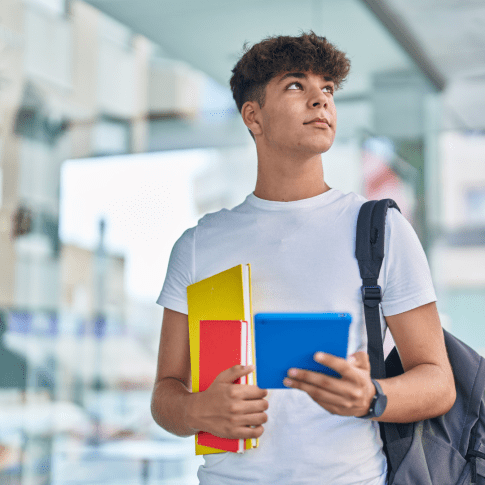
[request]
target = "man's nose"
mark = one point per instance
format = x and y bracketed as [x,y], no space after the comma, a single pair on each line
[319,99]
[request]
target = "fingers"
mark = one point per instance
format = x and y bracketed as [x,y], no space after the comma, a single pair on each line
[232,410]
[360,360]
[248,392]
[254,419]
[331,385]
[242,423]
[346,395]
[337,396]
[318,394]
[244,432]
[336,363]
[235,372]
[247,425]
[346,368]
[249,407]
[353,371]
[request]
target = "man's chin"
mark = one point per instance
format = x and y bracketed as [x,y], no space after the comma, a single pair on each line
[322,148]
[315,150]
[326,148]
[310,147]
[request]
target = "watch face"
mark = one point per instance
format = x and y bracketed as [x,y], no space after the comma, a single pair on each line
[380,405]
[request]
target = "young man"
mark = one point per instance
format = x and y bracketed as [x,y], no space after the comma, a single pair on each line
[299,236]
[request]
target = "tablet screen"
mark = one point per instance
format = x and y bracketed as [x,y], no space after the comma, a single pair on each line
[286,340]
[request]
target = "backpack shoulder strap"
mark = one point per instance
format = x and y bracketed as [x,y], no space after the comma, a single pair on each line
[369,251]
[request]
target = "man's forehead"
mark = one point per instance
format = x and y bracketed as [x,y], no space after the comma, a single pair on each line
[300,75]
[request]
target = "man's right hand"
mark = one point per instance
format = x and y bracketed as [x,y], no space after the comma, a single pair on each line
[229,410]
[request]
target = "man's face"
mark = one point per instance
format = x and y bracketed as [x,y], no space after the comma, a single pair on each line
[299,112]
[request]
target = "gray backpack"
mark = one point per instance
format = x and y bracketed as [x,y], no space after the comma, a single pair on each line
[449,449]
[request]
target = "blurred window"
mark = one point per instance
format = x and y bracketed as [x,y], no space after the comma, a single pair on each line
[475,206]
[466,310]
[111,136]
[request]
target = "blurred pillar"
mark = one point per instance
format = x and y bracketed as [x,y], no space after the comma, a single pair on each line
[100,263]
[412,150]
[433,173]
[401,113]
[139,131]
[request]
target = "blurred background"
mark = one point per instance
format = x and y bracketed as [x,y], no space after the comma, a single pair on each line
[118,132]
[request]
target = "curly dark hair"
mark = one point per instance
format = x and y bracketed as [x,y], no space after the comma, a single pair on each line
[275,55]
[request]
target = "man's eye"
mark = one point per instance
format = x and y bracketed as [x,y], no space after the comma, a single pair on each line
[329,89]
[294,84]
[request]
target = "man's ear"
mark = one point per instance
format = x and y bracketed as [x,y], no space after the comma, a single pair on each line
[251,115]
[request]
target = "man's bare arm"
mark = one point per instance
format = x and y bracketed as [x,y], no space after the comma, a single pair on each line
[224,409]
[427,387]
[172,383]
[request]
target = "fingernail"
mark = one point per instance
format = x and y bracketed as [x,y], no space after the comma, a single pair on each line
[292,372]
[319,355]
[286,381]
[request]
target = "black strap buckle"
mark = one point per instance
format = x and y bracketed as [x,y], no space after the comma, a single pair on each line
[371,295]
[472,456]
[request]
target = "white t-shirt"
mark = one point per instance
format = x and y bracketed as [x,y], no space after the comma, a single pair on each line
[302,256]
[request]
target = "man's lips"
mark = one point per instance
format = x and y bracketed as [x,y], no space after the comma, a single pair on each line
[319,122]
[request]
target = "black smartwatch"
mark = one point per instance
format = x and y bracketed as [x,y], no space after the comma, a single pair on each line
[378,404]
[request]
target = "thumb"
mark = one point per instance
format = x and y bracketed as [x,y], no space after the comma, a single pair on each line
[233,373]
[360,360]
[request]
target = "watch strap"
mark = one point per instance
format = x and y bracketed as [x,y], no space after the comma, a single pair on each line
[379,393]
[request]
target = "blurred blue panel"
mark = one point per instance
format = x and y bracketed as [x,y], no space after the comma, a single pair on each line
[466,309]
[21,322]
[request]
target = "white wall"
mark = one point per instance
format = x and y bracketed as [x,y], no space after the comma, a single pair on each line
[174,87]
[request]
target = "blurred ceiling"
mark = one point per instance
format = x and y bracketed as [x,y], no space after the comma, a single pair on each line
[451,33]
[442,39]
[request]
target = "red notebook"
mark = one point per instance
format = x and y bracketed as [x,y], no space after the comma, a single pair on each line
[223,344]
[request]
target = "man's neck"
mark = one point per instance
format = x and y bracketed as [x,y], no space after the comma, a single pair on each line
[289,180]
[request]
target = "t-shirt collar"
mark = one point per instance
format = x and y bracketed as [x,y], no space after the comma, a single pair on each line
[310,202]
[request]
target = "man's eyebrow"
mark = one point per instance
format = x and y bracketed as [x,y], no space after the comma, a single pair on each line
[300,75]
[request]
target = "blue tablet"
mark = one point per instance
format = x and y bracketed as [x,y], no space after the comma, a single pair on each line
[286,340]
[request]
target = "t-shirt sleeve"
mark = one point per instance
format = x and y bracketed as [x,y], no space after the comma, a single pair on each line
[408,282]
[180,273]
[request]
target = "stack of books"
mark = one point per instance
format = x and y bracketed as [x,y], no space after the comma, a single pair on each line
[221,335]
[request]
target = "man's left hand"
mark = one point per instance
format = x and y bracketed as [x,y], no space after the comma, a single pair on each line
[349,396]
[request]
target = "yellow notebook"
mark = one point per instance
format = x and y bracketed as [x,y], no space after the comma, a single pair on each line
[223,296]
